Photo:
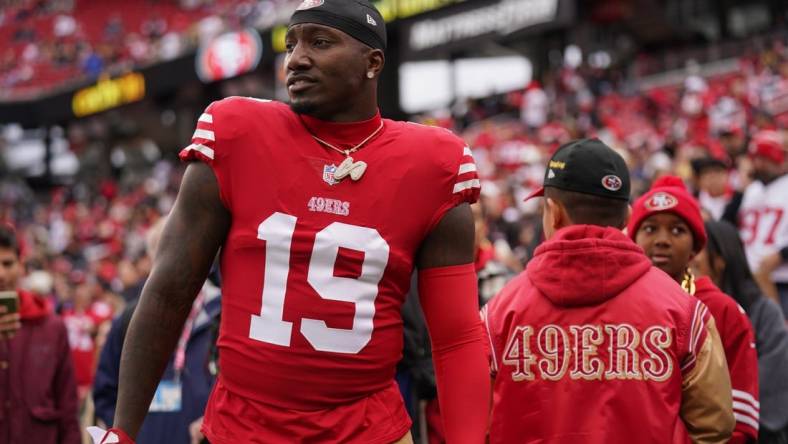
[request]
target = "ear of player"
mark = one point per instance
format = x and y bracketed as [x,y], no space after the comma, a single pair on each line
[111,436]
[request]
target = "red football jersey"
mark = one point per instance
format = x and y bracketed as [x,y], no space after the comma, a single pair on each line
[315,270]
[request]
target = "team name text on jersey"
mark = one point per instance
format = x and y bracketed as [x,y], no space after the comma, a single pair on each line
[326,205]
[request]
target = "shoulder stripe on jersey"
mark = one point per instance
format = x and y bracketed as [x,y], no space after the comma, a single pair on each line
[205,117]
[467,168]
[462,186]
[203,134]
[744,419]
[746,397]
[201,148]
[742,407]
[467,152]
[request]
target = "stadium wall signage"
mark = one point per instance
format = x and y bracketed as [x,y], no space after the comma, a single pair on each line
[455,26]
[229,55]
[108,93]
[399,9]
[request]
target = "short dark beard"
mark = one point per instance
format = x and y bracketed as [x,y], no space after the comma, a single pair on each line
[764,176]
[305,107]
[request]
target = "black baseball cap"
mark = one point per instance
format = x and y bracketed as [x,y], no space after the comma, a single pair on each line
[587,166]
[356,18]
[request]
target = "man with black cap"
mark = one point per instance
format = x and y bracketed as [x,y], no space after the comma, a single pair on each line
[322,210]
[591,343]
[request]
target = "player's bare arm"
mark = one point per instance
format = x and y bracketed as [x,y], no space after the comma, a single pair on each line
[450,242]
[195,230]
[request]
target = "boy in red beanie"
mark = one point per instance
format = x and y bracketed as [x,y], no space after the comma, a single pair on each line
[666,222]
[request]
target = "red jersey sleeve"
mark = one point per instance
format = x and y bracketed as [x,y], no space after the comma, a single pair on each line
[205,147]
[460,178]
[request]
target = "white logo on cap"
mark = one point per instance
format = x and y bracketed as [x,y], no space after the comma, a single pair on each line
[371,21]
[661,201]
[550,173]
[612,182]
[309,4]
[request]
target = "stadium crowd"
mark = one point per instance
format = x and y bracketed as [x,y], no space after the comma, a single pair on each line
[84,246]
[54,43]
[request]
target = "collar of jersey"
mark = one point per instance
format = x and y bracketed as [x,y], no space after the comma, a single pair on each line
[342,134]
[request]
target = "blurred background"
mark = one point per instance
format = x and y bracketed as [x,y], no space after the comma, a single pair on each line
[97,97]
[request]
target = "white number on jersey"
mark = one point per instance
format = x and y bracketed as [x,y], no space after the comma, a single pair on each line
[277,232]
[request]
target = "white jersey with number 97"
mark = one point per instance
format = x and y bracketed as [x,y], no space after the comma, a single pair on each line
[763,223]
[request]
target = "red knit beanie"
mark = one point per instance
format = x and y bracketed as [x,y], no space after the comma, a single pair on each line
[669,195]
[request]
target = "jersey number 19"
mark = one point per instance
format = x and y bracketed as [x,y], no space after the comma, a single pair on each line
[269,326]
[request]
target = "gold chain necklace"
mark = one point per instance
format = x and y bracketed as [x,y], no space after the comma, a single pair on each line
[688,282]
[348,167]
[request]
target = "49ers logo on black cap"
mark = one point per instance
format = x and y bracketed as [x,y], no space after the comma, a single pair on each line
[661,201]
[309,4]
[612,182]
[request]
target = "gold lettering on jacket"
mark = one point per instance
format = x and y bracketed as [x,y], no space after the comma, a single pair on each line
[592,352]
[518,353]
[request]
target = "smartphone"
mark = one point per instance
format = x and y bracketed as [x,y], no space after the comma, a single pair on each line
[10,300]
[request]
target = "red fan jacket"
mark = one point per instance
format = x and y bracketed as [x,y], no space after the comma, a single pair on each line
[592,344]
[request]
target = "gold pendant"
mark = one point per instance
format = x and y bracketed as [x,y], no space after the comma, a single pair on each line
[688,283]
[350,168]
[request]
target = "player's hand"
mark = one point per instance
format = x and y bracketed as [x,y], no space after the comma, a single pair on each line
[111,436]
[9,323]
[194,431]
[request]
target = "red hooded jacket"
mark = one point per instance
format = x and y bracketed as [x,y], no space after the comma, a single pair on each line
[38,393]
[592,344]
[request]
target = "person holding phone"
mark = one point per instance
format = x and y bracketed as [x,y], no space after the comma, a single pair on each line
[38,393]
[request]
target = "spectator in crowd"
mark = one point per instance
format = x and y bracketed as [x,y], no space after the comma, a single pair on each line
[763,216]
[588,282]
[491,271]
[724,261]
[83,318]
[38,394]
[176,412]
[666,222]
[711,180]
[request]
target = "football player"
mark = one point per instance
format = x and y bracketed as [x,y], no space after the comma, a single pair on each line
[322,209]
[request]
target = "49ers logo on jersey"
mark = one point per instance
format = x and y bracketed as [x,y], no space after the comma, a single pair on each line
[661,201]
